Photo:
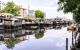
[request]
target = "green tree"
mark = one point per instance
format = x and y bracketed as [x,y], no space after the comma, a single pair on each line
[11,8]
[39,14]
[72,6]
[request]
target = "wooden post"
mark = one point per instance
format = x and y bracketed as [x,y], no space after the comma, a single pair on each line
[66,43]
[72,40]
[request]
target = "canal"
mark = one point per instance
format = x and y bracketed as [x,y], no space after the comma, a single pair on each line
[49,38]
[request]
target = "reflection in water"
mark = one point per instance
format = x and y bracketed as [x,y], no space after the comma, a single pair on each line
[39,35]
[10,37]
[10,42]
[57,27]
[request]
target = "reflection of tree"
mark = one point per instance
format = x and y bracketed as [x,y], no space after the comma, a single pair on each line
[57,26]
[10,43]
[78,45]
[39,35]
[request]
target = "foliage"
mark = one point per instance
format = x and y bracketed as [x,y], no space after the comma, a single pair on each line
[10,42]
[69,5]
[11,8]
[39,35]
[72,6]
[76,18]
[1,11]
[39,14]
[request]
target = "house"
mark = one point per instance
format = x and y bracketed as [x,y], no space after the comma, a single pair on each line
[13,23]
[4,16]
[23,12]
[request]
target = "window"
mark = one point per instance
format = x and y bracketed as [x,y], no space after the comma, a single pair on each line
[16,20]
[0,20]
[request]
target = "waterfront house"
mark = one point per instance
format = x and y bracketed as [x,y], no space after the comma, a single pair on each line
[23,12]
[12,23]
[4,16]
[58,20]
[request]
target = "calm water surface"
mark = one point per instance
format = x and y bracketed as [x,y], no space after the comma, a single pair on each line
[41,39]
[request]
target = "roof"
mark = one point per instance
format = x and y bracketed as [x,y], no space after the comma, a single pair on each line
[11,19]
[4,14]
[23,8]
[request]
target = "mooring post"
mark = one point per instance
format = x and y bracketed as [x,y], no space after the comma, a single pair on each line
[72,40]
[66,41]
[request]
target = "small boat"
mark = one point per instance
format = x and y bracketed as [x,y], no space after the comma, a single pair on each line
[70,28]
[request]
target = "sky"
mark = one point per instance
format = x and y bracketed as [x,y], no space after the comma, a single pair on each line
[47,6]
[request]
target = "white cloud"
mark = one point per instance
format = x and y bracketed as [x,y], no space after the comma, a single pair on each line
[61,45]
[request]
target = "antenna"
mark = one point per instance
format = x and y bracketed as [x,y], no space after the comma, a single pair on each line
[28,9]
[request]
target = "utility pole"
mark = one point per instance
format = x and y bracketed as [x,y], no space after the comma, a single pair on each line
[0,6]
[28,8]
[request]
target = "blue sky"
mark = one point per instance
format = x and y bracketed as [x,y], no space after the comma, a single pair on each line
[48,6]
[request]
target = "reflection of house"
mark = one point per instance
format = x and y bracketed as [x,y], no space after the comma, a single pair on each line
[1,37]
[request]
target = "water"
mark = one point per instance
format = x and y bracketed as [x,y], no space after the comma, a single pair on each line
[40,39]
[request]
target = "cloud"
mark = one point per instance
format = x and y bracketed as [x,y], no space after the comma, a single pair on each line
[61,45]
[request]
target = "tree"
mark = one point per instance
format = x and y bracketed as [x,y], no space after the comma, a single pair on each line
[72,6]
[11,8]
[39,14]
